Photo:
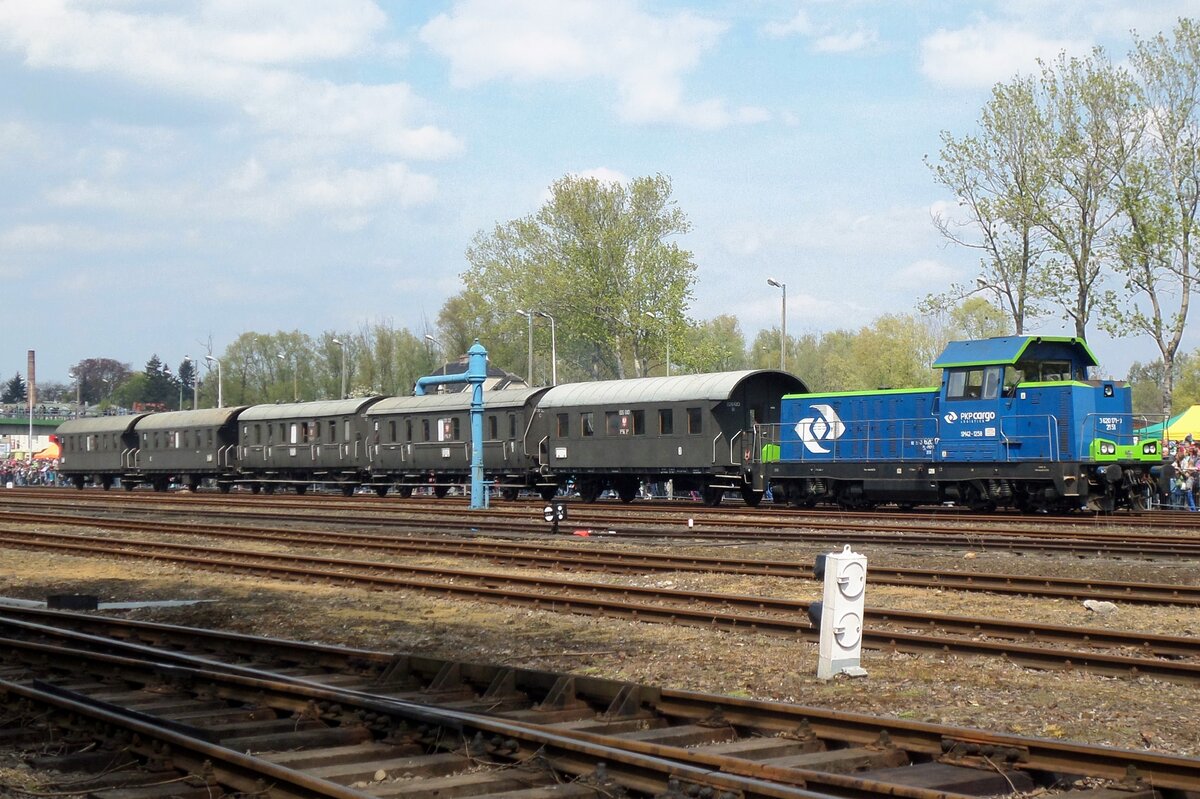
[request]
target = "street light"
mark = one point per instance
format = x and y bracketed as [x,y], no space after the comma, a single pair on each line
[445,354]
[782,323]
[666,334]
[343,346]
[220,382]
[295,385]
[529,364]
[553,349]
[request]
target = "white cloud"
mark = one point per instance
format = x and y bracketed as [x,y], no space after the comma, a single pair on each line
[237,52]
[825,38]
[80,238]
[645,56]
[981,55]
[924,272]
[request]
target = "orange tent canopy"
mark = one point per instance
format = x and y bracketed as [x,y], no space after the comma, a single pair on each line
[49,453]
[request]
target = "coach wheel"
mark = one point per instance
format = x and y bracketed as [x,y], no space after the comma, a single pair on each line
[627,490]
[128,485]
[106,481]
[193,484]
[589,490]
[300,488]
[269,488]
[348,489]
[510,494]
[255,488]
[713,496]
[751,497]
[404,491]
[548,493]
[160,484]
[906,506]
[78,481]
[381,490]
[224,487]
[440,491]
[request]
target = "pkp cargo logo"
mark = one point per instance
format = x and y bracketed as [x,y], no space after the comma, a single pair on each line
[825,426]
[951,417]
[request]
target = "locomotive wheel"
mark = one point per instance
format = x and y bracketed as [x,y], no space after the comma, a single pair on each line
[713,496]
[441,491]
[548,493]
[751,497]
[381,491]
[300,488]
[510,494]
[348,489]
[589,490]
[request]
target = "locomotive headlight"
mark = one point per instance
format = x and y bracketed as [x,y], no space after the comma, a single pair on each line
[1150,448]
[1107,448]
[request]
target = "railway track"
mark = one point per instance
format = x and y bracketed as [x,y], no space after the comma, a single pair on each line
[543,555]
[527,521]
[1173,658]
[209,712]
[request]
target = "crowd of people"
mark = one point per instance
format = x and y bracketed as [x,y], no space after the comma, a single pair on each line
[18,473]
[1180,473]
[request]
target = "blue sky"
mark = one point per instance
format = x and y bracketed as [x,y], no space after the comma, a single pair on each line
[173,174]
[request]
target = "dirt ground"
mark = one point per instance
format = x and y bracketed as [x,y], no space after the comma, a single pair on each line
[1136,713]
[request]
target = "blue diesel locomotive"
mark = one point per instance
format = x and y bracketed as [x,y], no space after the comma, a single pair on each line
[1015,422]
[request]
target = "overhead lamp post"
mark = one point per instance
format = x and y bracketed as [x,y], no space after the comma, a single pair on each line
[220,382]
[666,334]
[529,364]
[553,348]
[782,323]
[343,346]
[195,384]
[295,369]
[442,347]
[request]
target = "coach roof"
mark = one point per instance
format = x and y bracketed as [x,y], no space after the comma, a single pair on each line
[306,410]
[715,387]
[180,420]
[458,401]
[99,424]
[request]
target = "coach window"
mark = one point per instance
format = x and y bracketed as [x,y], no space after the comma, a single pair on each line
[512,425]
[408,430]
[694,421]
[586,425]
[424,429]
[564,425]
[346,427]
[457,429]
[639,423]
[612,423]
[392,430]
[493,428]
[332,432]
[295,434]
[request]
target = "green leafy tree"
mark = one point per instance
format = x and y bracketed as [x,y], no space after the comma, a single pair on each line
[714,345]
[976,318]
[999,176]
[1093,126]
[1158,193]
[598,256]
